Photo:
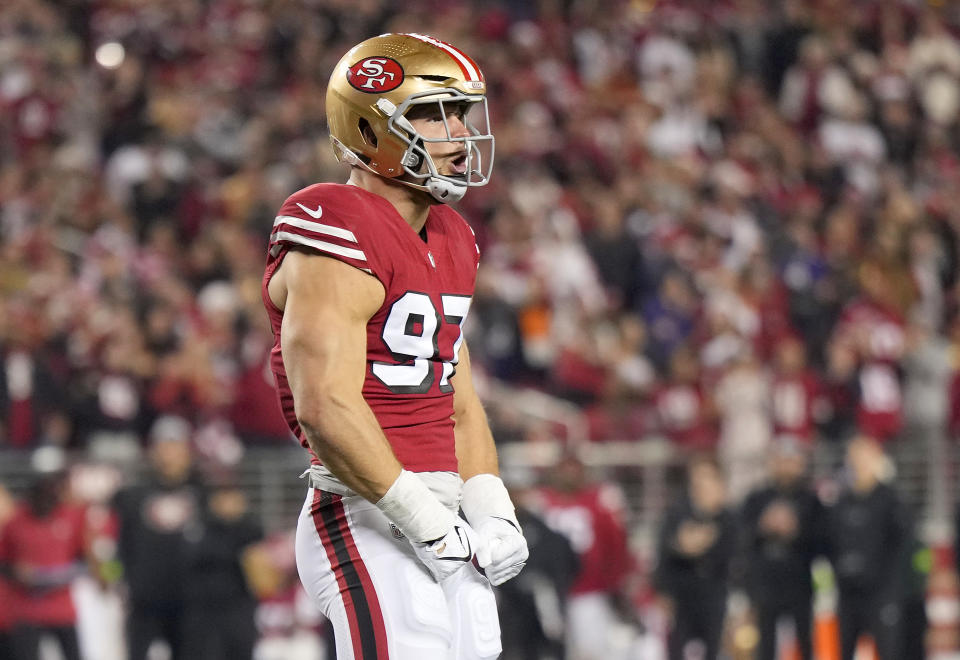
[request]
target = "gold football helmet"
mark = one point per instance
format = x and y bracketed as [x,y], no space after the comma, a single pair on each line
[383,78]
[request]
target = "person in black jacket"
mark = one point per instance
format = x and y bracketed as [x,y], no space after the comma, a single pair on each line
[867,532]
[783,534]
[532,607]
[153,518]
[696,546]
[219,618]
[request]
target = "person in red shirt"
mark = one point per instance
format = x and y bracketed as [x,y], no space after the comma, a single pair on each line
[683,409]
[592,517]
[43,549]
[872,330]
[798,398]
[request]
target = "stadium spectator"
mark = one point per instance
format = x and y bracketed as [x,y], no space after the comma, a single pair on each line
[154,519]
[783,531]
[591,516]
[32,398]
[797,397]
[44,549]
[866,533]
[533,607]
[872,328]
[696,546]
[684,410]
[743,404]
[219,614]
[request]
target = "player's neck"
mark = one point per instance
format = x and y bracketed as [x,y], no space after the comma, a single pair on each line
[412,205]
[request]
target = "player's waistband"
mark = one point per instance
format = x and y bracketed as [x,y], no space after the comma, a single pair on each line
[447,486]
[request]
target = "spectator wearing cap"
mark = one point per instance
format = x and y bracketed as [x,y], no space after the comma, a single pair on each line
[154,518]
[219,619]
[782,533]
[43,548]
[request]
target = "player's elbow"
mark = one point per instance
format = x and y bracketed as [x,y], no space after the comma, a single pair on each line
[319,416]
[467,408]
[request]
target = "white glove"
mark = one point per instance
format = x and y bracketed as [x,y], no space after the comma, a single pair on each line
[443,541]
[452,551]
[506,547]
[488,508]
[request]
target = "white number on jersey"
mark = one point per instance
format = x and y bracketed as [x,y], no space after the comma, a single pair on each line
[411,332]
[574,523]
[879,388]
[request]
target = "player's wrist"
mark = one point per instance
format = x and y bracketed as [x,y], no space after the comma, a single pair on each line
[416,511]
[485,495]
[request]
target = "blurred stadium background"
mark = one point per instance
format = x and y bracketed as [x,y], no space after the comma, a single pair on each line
[713,225]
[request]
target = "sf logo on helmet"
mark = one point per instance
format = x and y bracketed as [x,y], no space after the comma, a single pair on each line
[376,75]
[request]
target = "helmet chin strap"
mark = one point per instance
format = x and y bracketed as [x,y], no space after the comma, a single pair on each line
[442,191]
[445,191]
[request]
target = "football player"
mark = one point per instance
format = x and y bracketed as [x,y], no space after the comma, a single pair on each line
[367,286]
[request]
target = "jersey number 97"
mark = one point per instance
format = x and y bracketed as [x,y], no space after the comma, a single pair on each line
[412,333]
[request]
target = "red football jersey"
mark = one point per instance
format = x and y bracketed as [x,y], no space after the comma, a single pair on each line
[45,546]
[682,415]
[795,401]
[592,519]
[879,337]
[414,338]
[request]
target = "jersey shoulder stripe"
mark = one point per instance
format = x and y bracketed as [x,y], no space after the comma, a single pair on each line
[323,246]
[329,219]
[316,227]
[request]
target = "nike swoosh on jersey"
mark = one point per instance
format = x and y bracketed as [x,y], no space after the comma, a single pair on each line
[311,212]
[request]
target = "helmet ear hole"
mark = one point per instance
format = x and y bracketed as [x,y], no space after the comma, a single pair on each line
[366,130]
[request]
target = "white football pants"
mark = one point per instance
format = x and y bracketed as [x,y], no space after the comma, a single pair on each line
[382,601]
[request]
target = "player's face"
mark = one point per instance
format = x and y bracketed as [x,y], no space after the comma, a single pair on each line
[450,158]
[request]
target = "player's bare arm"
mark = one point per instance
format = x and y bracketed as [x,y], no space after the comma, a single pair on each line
[476,451]
[486,502]
[326,305]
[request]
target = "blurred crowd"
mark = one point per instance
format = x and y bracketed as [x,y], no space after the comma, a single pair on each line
[715,221]
[729,223]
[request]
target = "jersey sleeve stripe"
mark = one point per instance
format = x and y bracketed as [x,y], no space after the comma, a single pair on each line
[323,246]
[317,227]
